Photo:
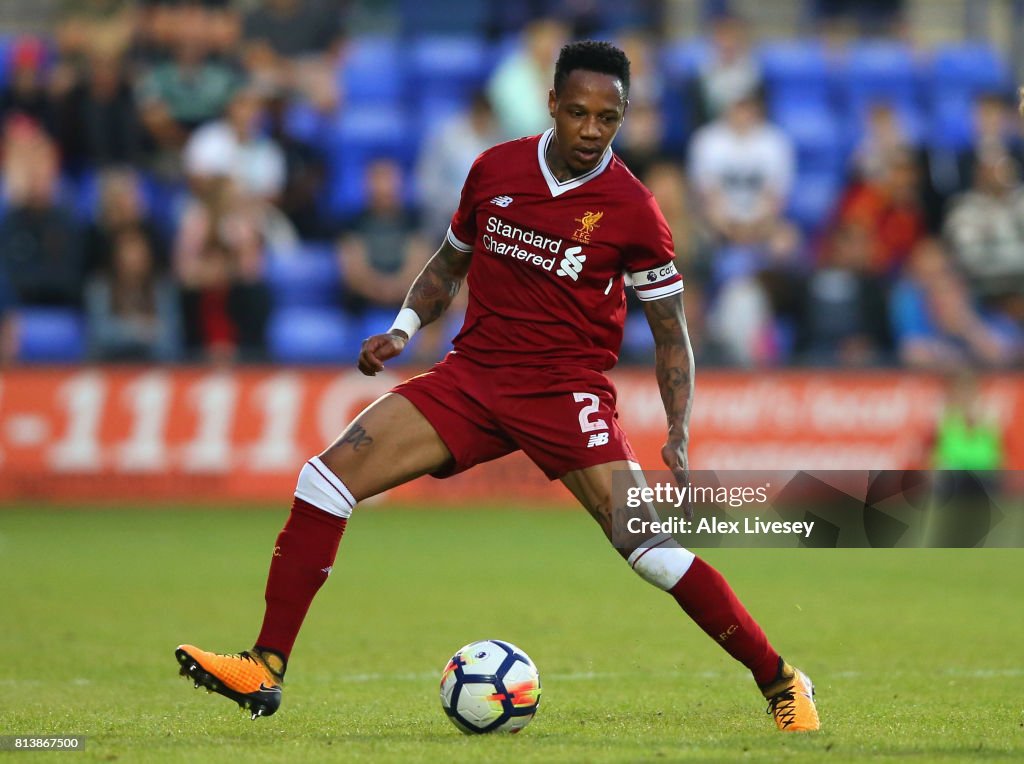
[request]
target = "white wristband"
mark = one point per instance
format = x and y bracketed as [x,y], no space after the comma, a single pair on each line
[407,321]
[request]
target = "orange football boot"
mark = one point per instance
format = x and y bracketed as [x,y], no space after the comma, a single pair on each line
[244,677]
[791,701]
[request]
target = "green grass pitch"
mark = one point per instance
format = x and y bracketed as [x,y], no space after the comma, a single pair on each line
[917,655]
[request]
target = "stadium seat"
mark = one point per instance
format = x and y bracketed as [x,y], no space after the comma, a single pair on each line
[6,43]
[50,335]
[797,69]
[818,134]
[451,63]
[676,113]
[373,71]
[311,335]
[436,108]
[970,68]
[378,129]
[308,276]
[951,125]
[637,340]
[958,74]
[360,135]
[680,60]
[813,199]
[305,124]
[879,71]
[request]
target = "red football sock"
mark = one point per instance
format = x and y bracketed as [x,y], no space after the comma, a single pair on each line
[302,560]
[709,600]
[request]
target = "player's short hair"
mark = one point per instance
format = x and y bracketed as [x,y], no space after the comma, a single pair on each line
[592,56]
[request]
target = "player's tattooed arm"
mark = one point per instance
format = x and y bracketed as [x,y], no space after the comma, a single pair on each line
[673,361]
[438,283]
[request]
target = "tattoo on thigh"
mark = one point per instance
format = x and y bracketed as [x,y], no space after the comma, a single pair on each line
[356,437]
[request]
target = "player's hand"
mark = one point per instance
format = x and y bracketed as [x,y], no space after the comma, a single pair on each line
[673,453]
[380,348]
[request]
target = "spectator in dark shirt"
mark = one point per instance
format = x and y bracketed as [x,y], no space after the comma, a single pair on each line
[844,310]
[305,174]
[26,92]
[132,309]
[121,206]
[294,45]
[98,122]
[40,242]
[381,253]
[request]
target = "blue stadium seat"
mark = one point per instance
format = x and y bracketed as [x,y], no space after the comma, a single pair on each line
[450,63]
[951,124]
[637,340]
[958,74]
[797,69]
[818,135]
[373,71]
[373,321]
[305,124]
[813,200]
[6,43]
[880,71]
[311,335]
[680,60]
[435,108]
[306,277]
[677,115]
[50,335]
[374,130]
[359,136]
[970,68]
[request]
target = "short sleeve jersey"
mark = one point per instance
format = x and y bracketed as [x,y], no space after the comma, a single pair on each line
[546,281]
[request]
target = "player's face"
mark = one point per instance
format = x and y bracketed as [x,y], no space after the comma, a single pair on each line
[587,113]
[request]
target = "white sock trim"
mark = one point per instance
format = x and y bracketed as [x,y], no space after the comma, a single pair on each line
[323,489]
[661,561]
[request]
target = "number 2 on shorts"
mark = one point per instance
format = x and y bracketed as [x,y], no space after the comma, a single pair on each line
[593,404]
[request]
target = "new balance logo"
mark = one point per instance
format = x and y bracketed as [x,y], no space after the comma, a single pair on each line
[598,439]
[502,201]
[571,265]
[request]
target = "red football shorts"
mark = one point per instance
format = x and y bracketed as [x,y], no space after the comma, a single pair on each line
[563,418]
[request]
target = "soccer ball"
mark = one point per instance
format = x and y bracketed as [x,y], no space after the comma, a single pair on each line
[490,686]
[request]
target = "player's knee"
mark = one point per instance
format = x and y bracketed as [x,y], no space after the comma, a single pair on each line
[320,487]
[661,561]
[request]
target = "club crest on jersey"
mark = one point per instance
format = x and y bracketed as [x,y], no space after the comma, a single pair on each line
[588,222]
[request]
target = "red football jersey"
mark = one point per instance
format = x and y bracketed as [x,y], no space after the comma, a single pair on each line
[546,278]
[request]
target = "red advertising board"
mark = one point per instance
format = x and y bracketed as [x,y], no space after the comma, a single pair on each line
[152,434]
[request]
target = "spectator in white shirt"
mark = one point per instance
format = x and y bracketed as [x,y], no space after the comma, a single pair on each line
[742,168]
[234,147]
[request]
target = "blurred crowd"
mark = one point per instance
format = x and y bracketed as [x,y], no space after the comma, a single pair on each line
[178,180]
